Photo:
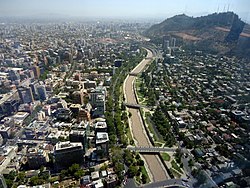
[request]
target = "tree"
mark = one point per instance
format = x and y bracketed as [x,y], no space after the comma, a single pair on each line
[178,155]
[74,168]
[35,180]
[129,114]
[78,174]
[190,163]
[104,167]
[128,157]
[144,178]
[63,174]
[41,169]
[132,171]
[21,177]
[140,162]
[9,182]
[9,178]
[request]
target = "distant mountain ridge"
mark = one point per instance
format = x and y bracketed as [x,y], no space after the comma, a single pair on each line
[219,32]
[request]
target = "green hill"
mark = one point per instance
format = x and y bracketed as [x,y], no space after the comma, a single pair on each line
[217,33]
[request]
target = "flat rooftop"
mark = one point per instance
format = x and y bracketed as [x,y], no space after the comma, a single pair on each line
[67,145]
[101,137]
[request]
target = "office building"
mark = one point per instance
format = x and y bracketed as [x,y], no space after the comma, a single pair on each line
[173,42]
[41,90]
[36,71]
[36,158]
[78,97]
[33,87]
[97,100]
[101,126]
[25,94]
[118,62]
[68,153]
[5,132]
[78,136]
[89,84]
[102,148]
[14,75]
[83,115]
[11,106]
[99,106]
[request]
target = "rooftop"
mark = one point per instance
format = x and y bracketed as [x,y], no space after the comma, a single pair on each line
[67,145]
[101,137]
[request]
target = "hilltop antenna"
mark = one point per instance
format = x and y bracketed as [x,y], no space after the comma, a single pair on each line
[218,9]
[228,7]
[224,8]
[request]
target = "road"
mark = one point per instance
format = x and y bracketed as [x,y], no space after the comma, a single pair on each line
[156,168]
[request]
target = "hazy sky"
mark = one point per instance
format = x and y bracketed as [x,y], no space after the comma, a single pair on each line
[121,8]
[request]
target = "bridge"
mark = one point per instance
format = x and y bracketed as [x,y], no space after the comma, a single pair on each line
[130,105]
[150,58]
[133,74]
[146,149]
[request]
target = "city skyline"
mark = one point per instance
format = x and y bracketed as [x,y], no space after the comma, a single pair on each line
[121,9]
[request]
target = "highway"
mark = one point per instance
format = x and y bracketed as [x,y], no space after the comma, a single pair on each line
[156,168]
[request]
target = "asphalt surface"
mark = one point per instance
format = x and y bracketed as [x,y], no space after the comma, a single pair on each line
[156,168]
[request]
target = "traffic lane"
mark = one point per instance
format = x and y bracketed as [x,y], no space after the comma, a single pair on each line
[142,64]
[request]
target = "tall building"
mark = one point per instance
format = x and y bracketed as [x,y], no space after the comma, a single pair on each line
[165,42]
[78,97]
[101,142]
[78,136]
[68,153]
[101,126]
[118,62]
[36,71]
[173,42]
[11,106]
[14,75]
[83,115]
[33,87]
[97,100]
[36,158]
[41,90]
[89,84]
[99,106]
[25,94]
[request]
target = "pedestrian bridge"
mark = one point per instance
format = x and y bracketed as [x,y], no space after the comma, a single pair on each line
[133,74]
[150,58]
[150,149]
[131,105]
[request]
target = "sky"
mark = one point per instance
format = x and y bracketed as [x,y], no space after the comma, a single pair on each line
[127,9]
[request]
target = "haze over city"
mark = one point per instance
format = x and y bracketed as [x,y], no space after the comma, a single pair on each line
[128,9]
[124,93]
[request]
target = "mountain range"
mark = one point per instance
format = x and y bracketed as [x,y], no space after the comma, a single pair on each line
[220,33]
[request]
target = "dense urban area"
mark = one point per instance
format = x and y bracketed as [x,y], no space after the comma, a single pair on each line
[97,104]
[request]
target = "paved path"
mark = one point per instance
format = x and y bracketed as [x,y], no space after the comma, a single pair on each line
[156,168]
